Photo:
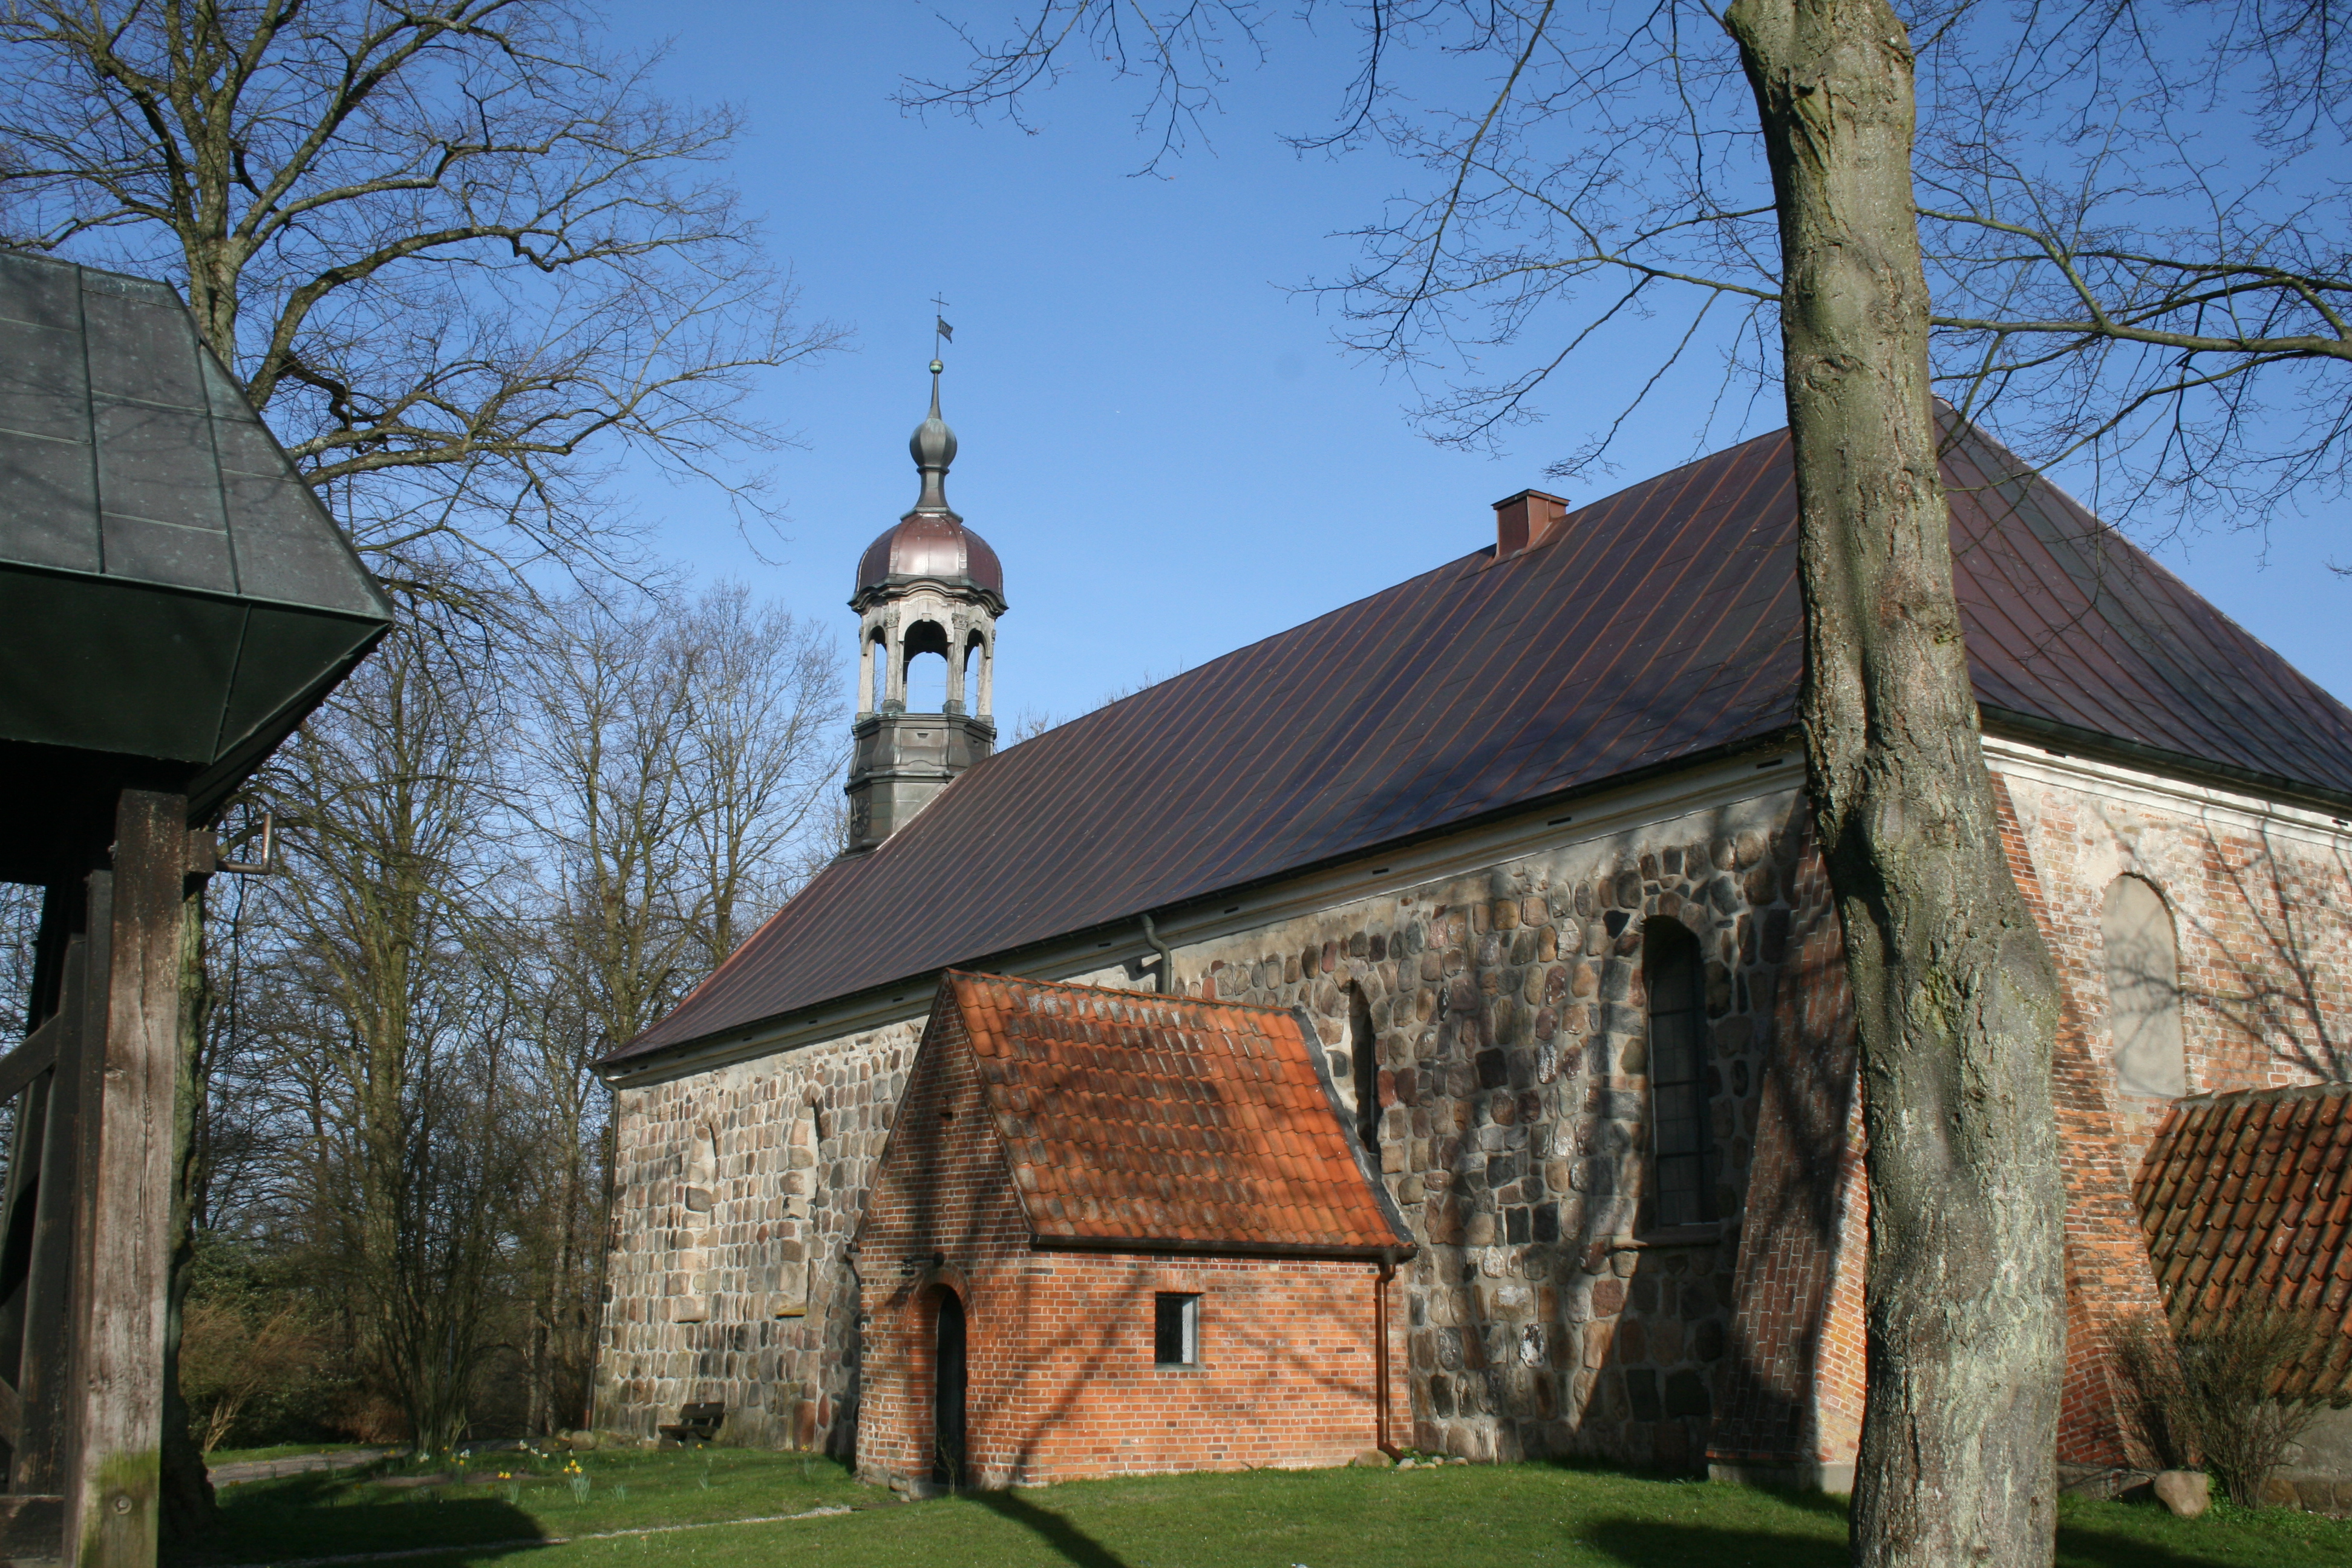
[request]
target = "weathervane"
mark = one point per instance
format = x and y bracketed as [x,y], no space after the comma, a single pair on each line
[940,331]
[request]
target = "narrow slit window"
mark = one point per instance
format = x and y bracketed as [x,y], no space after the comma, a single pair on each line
[1176,1329]
[1682,1175]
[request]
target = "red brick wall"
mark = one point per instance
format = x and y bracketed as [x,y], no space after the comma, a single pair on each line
[1795,1384]
[2262,905]
[1060,1380]
[1798,1332]
[2108,1280]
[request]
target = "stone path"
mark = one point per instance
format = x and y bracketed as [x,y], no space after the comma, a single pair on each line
[293,1465]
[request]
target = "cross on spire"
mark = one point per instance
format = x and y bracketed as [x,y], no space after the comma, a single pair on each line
[940,331]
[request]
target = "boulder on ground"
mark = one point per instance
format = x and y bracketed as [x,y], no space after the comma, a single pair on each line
[1371,1459]
[2186,1492]
[584,1441]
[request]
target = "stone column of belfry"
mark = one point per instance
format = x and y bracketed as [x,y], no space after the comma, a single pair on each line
[928,585]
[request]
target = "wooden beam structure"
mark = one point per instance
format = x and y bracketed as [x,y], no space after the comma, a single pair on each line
[139,688]
[85,1225]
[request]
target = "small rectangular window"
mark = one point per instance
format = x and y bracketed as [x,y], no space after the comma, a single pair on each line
[1176,1330]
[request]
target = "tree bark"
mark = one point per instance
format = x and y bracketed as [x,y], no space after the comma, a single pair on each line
[1955,998]
[189,1506]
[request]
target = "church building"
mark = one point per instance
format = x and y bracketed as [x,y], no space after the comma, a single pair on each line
[1514,854]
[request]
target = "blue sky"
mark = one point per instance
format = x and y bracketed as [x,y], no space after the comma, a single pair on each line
[1160,437]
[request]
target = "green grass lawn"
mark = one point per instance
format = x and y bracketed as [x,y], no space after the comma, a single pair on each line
[1323,1519]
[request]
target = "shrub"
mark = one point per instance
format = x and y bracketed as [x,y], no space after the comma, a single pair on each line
[258,1361]
[2232,1392]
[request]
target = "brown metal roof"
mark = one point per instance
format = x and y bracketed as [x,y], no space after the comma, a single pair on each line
[2248,1197]
[1649,629]
[930,544]
[1162,1121]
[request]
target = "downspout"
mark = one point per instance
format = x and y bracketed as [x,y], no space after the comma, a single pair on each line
[1380,1354]
[1167,955]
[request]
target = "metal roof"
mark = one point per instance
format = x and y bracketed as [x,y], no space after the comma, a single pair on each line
[929,545]
[171,594]
[1655,628]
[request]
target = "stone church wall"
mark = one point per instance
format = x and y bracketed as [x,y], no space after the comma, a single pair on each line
[727,1284]
[1505,1006]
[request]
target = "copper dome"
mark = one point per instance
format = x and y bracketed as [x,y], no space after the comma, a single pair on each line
[934,545]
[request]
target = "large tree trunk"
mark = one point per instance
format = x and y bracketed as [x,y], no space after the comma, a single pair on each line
[189,1507]
[1956,997]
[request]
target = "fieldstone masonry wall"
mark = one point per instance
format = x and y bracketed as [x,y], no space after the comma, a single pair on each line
[1506,1012]
[727,1284]
[1545,1314]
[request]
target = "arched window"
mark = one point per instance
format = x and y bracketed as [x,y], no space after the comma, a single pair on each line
[1682,1170]
[701,1193]
[2144,991]
[1364,1064]
[698,1197]
[796,1235]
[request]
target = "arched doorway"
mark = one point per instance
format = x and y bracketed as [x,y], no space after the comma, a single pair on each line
[947,1392]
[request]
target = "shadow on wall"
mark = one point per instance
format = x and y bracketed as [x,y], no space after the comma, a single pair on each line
[2276,991]
[1636,1364]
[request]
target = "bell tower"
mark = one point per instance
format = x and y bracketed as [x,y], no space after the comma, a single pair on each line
[928,585]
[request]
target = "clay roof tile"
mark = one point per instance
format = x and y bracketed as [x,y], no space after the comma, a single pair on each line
[1169,1119]
[2245,1196]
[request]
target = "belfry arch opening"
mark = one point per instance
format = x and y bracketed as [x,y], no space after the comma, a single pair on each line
[926,653]
[979,675]
[873,673]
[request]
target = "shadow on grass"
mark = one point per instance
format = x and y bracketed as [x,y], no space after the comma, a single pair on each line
[1652,1543]
[1071,1544]
[317,1515]
[2099,1549]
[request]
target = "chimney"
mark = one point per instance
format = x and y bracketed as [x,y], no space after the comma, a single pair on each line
[1523,518]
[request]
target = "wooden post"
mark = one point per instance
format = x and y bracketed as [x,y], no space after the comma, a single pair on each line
[129,1080]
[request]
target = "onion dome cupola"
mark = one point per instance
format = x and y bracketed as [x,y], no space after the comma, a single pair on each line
[928,585]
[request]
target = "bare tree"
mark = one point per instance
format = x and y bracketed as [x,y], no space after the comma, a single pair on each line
[460,257]
[674,756]
[2061,246]
[676,759]
[766,758]
[455,253]
[390,1025]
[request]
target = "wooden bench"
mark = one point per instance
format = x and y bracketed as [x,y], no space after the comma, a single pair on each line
[696,1424]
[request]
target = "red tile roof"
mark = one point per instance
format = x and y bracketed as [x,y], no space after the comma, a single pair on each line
[2248,1196]
[1651,630]
[1154,1120]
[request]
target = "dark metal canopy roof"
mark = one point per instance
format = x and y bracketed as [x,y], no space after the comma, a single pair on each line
[173,597]
[1648,630]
